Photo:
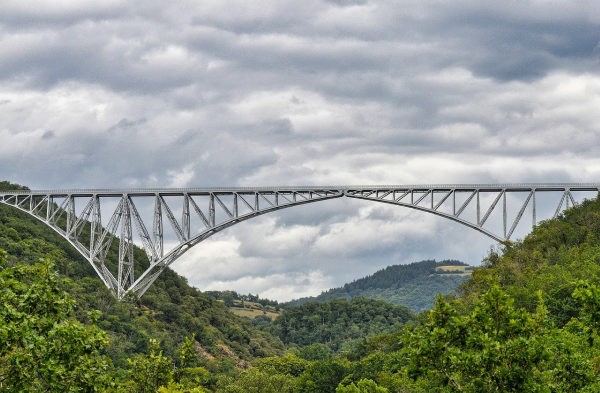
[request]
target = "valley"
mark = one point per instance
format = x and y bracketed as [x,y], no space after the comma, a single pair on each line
[361,337]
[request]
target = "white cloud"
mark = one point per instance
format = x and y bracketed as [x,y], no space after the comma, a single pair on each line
[156,94]
[290,286]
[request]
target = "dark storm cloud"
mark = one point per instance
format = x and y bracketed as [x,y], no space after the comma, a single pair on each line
[115,46]
[48,135]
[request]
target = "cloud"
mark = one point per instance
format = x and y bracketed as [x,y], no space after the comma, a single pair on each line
[248,93]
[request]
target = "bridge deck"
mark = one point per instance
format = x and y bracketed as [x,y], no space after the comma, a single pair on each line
[416,187]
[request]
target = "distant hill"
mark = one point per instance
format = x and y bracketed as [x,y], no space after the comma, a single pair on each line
[414,285]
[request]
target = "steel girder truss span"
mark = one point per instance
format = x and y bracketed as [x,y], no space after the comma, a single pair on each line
[77,216]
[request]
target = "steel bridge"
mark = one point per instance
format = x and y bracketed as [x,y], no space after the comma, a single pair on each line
[215,209]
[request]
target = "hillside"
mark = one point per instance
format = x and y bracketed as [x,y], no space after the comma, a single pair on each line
[338,323]
[552,259]
[169,311]
[414,285]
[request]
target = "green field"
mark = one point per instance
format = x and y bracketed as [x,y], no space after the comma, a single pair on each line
[252,309]
[440,270]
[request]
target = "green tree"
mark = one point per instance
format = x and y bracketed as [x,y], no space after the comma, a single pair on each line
[322,376]
[228,298]
[188,358]
[173,387]
[155,372]
[316,351]
[42,348]
[286,365]
[255,381]
[189,375]
[150,372]
[363,386]
[495,348]
[589,297]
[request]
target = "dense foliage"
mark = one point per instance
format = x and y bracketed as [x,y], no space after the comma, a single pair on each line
[414,285]
[338,323]
[498,347]
[552,259]
[42,346]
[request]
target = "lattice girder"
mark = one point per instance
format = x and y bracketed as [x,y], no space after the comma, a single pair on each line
[221,208]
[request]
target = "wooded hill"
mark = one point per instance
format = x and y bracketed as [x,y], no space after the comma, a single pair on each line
[168,312]
[414,285]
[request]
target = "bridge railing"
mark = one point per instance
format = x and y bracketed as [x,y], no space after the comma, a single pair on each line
[440,187]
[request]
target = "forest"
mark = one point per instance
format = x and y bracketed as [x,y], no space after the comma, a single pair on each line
[527,320]
[413,285]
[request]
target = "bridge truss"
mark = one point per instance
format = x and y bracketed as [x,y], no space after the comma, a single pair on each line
[77,216]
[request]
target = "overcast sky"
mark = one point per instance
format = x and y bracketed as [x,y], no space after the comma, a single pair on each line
[107,94]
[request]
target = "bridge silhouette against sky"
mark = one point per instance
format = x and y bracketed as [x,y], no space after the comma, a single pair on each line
[137,216]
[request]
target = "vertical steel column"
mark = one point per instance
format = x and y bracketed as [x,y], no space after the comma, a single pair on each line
[235,204]
[70,213]
[49,208]
[504,212]
[478,209]
[96,225]
[211,210]
[533,220]
[185,217]
[157,227]
[454,202]
[125,272]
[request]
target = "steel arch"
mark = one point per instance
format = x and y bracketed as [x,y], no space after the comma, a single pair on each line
[56,208]
[441,214]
